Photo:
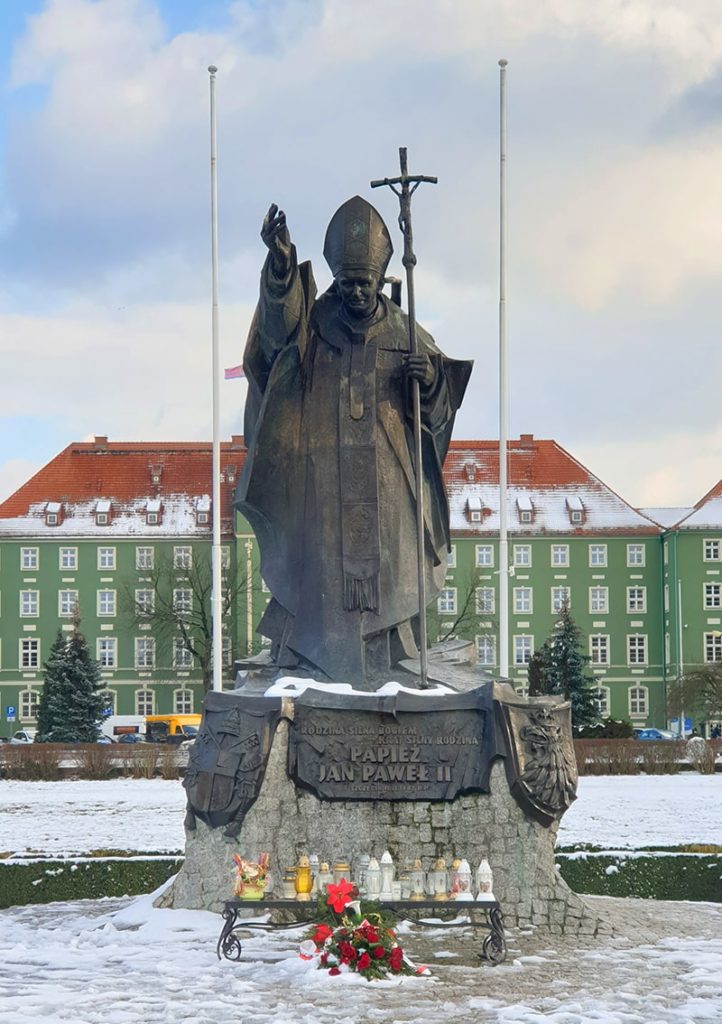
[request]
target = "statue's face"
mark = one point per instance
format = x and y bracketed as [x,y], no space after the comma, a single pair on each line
[359,290]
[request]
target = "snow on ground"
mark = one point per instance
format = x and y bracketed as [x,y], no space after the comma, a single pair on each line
[74,818]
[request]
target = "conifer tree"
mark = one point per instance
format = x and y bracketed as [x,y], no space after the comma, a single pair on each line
[70,705]
[562,669]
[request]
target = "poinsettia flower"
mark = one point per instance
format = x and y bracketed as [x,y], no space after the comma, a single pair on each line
[339,895]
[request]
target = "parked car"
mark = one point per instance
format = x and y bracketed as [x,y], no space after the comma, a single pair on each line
[105,739]
[130,737]
[23,736]
[654,734]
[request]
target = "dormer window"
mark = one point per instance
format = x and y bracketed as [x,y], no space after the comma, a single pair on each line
[525,509]
[231,471]
[203,510]
[102,512]
[53,513]
[474,510]
[575,508]
[152,511]
[156,473]
[470,472]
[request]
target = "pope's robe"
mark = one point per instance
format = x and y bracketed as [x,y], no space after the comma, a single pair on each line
[329,480]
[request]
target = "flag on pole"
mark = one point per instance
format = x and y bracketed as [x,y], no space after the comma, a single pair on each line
[233,372]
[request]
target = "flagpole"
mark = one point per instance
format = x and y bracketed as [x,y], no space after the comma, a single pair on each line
[216,599]
[503,391]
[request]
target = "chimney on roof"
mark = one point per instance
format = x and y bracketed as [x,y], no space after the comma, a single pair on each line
[100,440]
[526,440]
[237,441]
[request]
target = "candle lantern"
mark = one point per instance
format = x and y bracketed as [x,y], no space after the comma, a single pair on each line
[361,870]
[387,876]
[417,881]
[289,884]
[341,869]
[373,880]
[484,880]
[405,884]
[455,876]
[463,882]
[325,875]
[304,881]
[439,885]
[315,868]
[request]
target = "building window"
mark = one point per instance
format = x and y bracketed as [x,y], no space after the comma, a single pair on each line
[447,601]
[637,649]
[601,696]
[638,700]
[522,554]
[182,557]
[560,555]
[144,652]
[635,555]
[485,601]
[523,600]
[144,603]
[68,558]
[561,596]
[599,599]
[636,599]
[486,649]
[711,551]
[29,652]
[713,646]
[451,557]
[225,557]
[597,554]
[28,558]
[183,702]
[110,701]
[182,657]
[523,647]
[67,603]
[484,555]
[106,558]
[712,595]
[107,651]
[144,558]
[152,518]
[666,597]
[29,700]
[183,603]
[106,602]
[29,603]
[144,702]
[227,651]
[599,649]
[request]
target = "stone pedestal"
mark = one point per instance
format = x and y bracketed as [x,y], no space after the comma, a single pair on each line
[289,821]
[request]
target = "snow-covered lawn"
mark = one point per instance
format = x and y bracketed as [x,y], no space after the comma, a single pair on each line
[74,818]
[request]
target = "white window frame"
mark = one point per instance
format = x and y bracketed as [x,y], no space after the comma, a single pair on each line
[106,604]
[636,600]
[634,647]
[523,648]
[559,556]
[144,602]
[599,649]
[523,598]
[488,642]
[183,608]
[182,657]
[711,549]
[598,556]
[227,651]
[451,557]
[632,551]
[225,557]
[147,645]
[712,596]
[66,605]
[599,600]
[144,557]
[182,556]
[28,704]
[29,652]
[144,702]
[484,556]
[106,651]
[29,559]
[183,701]
[556,604]
[446,601]
[521,556]
[29,604]
[106,559]
[712,646]
[638,698]
[602,699]
[485,601]
[68,559]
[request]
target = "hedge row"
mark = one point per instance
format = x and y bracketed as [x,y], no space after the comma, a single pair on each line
[680,876]
[643,757]
[47,881]
[49,762]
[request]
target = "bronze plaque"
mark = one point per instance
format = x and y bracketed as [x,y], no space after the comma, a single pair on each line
[393,751]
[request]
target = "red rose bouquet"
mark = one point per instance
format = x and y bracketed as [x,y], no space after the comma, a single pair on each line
[366,948]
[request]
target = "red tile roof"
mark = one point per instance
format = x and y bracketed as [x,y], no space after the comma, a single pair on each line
[532,463]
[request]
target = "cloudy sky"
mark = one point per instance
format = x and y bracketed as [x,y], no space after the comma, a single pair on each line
[615,215]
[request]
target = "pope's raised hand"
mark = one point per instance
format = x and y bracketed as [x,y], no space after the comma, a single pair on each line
[276,238]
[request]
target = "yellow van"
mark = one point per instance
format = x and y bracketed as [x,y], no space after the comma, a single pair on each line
[171,728]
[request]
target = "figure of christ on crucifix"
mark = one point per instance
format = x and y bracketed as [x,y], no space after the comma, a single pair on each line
[329,481]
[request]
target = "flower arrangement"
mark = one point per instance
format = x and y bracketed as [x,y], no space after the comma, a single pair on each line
[250,880]
[363,946]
